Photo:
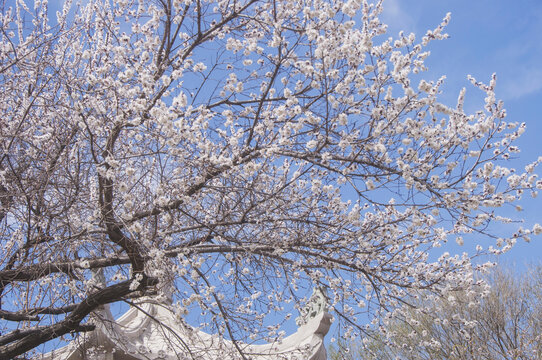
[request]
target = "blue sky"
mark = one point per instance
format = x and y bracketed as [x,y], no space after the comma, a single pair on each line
[488,36]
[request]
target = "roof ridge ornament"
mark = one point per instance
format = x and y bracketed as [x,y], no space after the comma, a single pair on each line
[317,304]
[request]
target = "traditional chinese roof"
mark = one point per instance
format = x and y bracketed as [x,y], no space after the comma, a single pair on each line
[151,330]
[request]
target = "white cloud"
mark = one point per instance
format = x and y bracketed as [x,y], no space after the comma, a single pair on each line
[524,82]
[520,65]
[397,18]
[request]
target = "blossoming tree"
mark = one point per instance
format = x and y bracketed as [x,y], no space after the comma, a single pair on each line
[244,151]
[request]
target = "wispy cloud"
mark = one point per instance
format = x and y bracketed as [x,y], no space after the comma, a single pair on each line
[397,18]
[516,49]
[525,82]
[521,65]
